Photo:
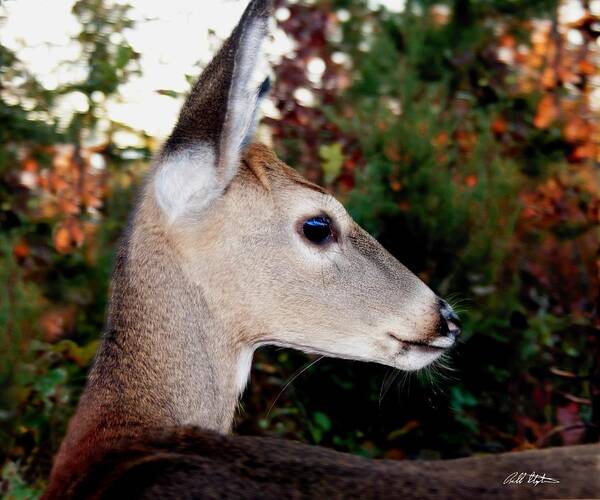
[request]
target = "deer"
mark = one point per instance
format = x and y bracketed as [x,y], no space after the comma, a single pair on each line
[229,249]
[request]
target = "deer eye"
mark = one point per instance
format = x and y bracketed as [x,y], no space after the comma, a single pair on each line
[318,230]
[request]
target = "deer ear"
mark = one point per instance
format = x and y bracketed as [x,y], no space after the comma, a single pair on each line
[202,155]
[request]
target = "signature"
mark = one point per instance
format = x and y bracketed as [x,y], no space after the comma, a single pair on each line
[529,478]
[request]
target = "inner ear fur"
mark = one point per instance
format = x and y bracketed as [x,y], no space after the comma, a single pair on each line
[203,153]
[258,158]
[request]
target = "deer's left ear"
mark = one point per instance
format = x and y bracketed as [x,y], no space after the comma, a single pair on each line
[202,155]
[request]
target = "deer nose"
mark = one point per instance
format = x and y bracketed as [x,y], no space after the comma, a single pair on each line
[449,320]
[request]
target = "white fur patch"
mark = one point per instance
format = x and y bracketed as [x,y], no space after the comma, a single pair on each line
[186,181]
[443,342]
[244,365]
[242,102]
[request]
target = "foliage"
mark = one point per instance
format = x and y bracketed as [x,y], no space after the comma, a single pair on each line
[469,148]
[461,134]
[64,193]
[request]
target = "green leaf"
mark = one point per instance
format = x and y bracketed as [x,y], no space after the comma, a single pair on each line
[462,398]
[124,55]
[322,420]
[169,93]
[15,486]
[47,384]
[332,161]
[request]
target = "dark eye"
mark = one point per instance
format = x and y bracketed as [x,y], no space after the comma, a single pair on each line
[318,230]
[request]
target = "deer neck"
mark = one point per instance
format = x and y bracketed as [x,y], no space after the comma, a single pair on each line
[165,358]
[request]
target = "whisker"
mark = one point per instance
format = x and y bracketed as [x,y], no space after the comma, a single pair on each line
[404,383]
[292,378]
[394,377]
[383,381]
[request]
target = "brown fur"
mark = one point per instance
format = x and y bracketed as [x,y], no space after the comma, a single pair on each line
[263,163]
[258,160]
[190,463]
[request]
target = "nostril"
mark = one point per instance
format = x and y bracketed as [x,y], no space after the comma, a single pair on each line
[453,328]
[450,322]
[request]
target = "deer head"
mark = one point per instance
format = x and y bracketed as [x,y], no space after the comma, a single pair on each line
[277,259]
[229,249]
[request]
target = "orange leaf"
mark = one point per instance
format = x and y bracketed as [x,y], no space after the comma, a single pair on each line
[56,323]
[30,165]
[548,80]
[547,111]
[21,250]
[68,235]
[577,129]
[57,183]
[508,41]
[62,240]
[76,231]
[441,139]
[68,206]
[567,75]
[90,200]
[586,67]
[499,126]
[584,151]
[466,140]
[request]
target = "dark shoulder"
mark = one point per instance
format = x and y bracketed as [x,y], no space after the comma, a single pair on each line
[192,463]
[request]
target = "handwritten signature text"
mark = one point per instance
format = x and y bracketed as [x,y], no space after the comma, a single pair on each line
[529,478]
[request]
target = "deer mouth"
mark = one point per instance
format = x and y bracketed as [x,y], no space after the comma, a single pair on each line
[436,345]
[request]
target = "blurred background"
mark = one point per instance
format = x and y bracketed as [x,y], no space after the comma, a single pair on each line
[462,134]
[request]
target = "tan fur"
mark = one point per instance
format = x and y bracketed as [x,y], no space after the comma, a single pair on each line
[258,160]
[263,162]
